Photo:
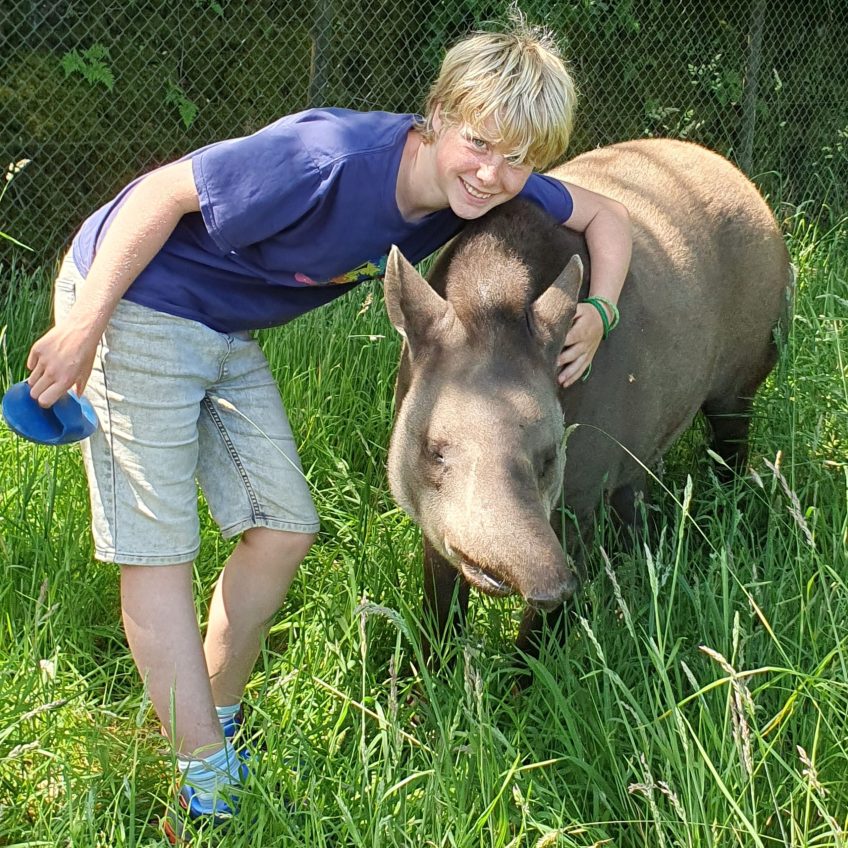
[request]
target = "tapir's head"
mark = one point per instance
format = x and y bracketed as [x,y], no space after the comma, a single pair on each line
[477,454]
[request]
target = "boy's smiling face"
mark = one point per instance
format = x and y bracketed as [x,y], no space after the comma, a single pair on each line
[472,172]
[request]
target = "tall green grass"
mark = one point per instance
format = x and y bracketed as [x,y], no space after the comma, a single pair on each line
[701,697]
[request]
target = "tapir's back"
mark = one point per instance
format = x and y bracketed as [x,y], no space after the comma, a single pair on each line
[698,222]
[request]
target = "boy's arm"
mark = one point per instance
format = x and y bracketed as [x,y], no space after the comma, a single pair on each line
[63,357]
[605,224]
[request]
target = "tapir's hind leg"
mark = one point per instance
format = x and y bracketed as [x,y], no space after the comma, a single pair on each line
[628,506]
[441,583]
[730,420]
[728,408]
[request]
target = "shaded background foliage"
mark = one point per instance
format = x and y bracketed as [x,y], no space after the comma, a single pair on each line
[96,92]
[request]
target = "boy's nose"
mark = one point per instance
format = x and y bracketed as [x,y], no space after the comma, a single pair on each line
[487,172]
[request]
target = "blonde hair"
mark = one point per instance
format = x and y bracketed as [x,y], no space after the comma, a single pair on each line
[519,80]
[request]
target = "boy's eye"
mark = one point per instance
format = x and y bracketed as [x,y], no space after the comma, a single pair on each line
[479,143]
[514,161]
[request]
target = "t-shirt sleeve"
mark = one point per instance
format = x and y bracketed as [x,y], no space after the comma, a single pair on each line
[551,194]
[253,187]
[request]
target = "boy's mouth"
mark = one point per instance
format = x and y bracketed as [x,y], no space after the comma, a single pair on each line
[475,192]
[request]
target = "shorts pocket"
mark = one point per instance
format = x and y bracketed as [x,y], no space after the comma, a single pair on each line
[65,287]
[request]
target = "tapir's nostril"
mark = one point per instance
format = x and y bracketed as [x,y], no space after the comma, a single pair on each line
[545,603]
[550,598]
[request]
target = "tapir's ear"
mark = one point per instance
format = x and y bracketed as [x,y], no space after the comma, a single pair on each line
[421,315]
[553,310]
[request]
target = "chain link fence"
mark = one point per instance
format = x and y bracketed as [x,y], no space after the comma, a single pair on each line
[94,92]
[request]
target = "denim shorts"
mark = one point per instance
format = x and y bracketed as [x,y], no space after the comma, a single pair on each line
[180,404]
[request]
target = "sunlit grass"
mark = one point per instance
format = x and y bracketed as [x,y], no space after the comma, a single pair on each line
[701,697]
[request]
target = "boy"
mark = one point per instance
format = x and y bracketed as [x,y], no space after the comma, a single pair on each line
[153,308]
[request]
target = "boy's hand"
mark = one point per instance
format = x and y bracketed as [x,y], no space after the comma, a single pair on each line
[581,343]
[61,359]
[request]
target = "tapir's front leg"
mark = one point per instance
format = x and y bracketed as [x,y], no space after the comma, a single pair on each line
[534,626]
[534,622]
[441,619]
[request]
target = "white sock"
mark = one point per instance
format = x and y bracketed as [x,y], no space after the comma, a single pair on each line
[211,776]
[226,713]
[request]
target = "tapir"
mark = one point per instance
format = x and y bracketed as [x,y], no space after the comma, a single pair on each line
[477,455]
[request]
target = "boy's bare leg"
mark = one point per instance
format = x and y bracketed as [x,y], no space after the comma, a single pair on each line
[163,635]
[250,590]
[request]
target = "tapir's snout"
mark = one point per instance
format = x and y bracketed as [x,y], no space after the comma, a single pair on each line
[544,576]
[502,562]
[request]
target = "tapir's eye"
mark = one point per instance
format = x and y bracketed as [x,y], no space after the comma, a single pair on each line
[548,463]
[435,452]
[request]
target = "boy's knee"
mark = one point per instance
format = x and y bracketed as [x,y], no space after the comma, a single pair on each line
[283,545]
[301,543]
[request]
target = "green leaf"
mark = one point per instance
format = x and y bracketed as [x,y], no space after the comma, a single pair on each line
[188,112]
[72,63]
[90,66]
[188,109]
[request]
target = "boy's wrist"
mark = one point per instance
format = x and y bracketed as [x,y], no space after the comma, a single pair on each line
[607,311]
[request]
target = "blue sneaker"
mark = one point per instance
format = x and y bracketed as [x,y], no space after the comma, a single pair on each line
[191,812]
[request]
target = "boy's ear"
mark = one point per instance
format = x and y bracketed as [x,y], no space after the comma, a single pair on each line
[436,120]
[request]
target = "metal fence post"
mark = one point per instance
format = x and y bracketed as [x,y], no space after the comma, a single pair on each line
[752,79]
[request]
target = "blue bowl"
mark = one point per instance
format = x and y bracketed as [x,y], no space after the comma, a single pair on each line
[70,419]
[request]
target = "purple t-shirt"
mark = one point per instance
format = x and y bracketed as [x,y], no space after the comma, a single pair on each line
[290,218]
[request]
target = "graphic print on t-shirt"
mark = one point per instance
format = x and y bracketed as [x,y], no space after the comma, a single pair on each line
[374,269]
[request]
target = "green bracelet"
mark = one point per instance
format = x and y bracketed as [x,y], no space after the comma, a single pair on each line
[599,303]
